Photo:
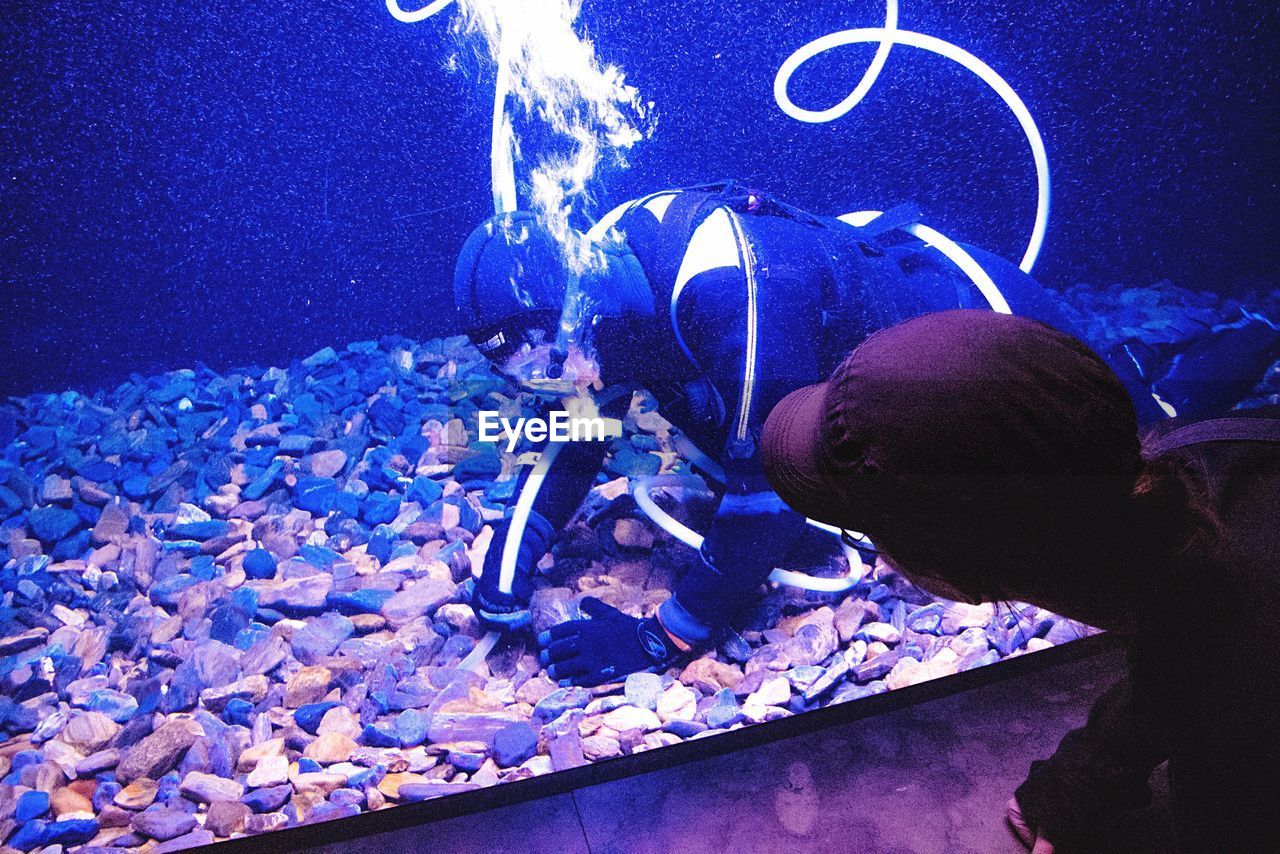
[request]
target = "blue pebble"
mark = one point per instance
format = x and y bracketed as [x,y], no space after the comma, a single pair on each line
[424,490]
[199,530]
[367,777]
[386,417]
[259,485]
[379,735]
[246,599]
[411,727]
[166,593]
[69,832]
[346,503]
[319,556]
[24,758]
[267,800]
[880,594]
[642,442]
[29,836]
[50,524]
[31,805]
[185,547]
[308,766]
[251,635]
[380,543]
[500,491]
[114,704]
[137,487]
[202,567]
[481,467]
[684,729]
[259,564]
[238,711]
[514,744]
[308,716]
[632,463]
[72,548]
[379,508]
[367,601]
[315,494]
[560,701]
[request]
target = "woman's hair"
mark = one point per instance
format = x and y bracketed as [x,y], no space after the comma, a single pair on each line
[1177,514]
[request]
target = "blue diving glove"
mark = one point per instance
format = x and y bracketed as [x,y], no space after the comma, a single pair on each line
[498,609]
[604,648]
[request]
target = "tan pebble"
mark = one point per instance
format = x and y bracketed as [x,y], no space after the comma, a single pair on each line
[270,771]
[340,720]
[137,795]
[251,756]
[67,800]
[391,783]
[330,748]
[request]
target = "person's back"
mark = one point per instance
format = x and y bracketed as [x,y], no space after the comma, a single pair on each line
[1210,635]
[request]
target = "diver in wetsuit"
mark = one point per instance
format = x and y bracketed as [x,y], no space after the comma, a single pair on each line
[719,300]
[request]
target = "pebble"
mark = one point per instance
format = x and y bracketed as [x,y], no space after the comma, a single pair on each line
[320,637]
[69,802]
[631,717]
[137,795]
[268,799]
[259,564]
[597,747]
[308,685]
[677,703]
[31,805]
[558,702]
[710,673]
[226,817]
[207,788]
[329,748]
[513,744]
[270,771]
[163,823]
[774,691]
[89,731]
[158,752]
[643,690]
[416,600]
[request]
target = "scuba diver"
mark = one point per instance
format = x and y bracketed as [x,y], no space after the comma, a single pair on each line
[719,300]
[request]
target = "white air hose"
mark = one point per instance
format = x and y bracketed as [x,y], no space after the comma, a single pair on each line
[889,34]
[644,500]
[416,15]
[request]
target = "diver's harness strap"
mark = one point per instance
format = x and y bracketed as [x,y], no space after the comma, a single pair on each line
[1240,428]
[689,386]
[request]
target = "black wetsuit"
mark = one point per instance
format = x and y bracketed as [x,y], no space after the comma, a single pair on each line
[749,299]
[1204,688]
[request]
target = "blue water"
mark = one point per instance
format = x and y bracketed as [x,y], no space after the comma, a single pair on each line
[246,182]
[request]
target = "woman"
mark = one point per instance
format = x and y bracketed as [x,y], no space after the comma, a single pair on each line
[993,458]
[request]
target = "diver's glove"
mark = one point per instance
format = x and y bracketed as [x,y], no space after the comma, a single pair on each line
[498,609]
[606,647]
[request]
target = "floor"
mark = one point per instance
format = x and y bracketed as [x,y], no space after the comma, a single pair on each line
[929,778]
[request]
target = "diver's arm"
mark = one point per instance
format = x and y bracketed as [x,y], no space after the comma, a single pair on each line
[547,495]
[748,537]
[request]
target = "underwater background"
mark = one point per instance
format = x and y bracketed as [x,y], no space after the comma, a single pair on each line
[249,182]
[242,495]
